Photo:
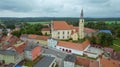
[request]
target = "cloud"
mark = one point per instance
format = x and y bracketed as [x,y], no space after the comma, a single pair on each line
[59,8]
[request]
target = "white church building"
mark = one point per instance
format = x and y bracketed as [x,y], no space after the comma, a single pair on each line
[62,30]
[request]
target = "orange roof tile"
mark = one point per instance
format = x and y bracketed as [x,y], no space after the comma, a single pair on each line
[60,25]
[45,29]
[94,63]
[82,61]
[109,62]
[71,26]
[75,46]
[20,48]
[89,30]
[76,29]
[33,36]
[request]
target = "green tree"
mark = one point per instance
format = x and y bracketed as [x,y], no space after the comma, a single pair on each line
[118,33]
[16,33]
[104,39]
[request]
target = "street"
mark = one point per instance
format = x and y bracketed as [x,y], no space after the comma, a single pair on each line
[59,55]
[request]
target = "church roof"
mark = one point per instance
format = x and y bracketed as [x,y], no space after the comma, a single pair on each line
[76,46]
[86,30]
[89,30]
[61,25]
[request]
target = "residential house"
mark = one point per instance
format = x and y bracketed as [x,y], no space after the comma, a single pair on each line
[71,47]
[10,56]
[32,51]
[15,53]
[45,31]
[42,40]
[69,61]
[8,41]
[85,62]
[52,43]
[108,62]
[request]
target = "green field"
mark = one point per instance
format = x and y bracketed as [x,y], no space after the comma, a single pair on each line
[108,22]
[116,48]
[38,22]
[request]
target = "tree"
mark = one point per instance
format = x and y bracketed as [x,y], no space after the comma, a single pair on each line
[16,33]
[118,33]
[104,39]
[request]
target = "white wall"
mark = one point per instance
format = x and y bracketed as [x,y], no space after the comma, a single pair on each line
[61,35]
[91,55]
[28,55]
[69,64]
[72,50]
[52,43]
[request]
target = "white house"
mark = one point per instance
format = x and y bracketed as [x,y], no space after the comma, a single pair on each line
[71,47]
[69,61]
[52,43]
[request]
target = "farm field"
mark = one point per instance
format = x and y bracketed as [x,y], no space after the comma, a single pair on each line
[38,22]
[108,22]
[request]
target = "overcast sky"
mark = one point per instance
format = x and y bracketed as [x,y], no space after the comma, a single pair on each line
[59,8]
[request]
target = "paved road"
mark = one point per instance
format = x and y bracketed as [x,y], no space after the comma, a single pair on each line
[59,55]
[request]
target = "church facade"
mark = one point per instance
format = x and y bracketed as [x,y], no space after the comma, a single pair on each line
[62,30]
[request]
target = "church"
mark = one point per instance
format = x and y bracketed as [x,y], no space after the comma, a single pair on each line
[63,31]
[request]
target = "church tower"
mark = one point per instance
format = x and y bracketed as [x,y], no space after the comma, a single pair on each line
[81,26]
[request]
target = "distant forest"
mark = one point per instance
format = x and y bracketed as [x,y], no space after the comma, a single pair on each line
[69,19]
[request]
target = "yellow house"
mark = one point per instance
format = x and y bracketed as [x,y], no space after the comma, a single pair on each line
[10,56]
[45,31]
[42,40]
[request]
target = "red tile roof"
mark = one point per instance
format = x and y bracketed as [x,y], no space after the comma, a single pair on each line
[8,41]
[86,30]
[82,61]
[45,29]
[33,36]
[75,46]
[86,62]
[94,63]
[20,48]
[109,62]
[61,25]
[89,30]
[76,29]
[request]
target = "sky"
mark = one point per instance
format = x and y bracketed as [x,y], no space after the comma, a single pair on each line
[59,8]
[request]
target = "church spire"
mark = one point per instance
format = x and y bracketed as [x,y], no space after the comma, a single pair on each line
[81,16]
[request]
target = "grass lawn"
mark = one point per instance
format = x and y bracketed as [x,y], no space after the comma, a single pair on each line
[116,48]
[38,22]
[117,42]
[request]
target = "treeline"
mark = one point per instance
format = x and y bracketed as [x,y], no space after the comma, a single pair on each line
[101,25]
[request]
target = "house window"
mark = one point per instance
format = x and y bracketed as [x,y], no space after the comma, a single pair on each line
[67,36]
[63,37]
[63,32]
[68,32]
[58,37]
[58,32]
